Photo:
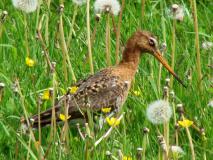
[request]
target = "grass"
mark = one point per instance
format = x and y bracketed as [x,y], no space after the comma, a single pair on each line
[128,136]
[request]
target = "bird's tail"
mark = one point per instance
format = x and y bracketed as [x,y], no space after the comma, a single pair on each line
[46,118]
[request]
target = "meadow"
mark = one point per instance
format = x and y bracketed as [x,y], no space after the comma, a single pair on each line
[57,31]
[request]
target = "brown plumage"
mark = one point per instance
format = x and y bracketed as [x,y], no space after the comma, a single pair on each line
[110,86]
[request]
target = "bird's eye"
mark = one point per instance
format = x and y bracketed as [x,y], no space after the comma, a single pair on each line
[152,42]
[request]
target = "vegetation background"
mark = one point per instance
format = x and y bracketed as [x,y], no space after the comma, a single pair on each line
[128,136]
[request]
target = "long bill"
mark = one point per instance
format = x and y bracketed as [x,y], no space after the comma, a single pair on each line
[160,58]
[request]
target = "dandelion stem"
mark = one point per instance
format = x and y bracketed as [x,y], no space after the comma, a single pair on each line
[164,39]
[26,114]
[53,118]
[173,50]
[197,46]
[144,146]
[46,53]
[26,35]
[47,24]
[39,126]
[118,33]
[108,57]
[191,143]
[88,38]
[72,26]
[143,8]
[66,58]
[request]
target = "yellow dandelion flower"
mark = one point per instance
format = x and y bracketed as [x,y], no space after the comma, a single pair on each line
[126,158]
[73,89]
[106,109]
[63,117]
[113,121]
[46,95]
[185,123]
[29,62]
[137,93]
[37,144]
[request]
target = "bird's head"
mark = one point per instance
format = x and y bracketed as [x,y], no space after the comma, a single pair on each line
[146,42]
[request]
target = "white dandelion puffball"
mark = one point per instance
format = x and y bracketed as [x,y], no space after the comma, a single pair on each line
[112,6]
[159,112]
[178,12]
[79,2]
[26,5]
[177,152]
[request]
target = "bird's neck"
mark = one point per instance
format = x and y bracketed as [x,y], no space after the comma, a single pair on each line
[130,61]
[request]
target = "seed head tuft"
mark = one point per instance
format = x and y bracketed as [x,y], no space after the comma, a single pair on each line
[159,112]
[108,6]
[26,5]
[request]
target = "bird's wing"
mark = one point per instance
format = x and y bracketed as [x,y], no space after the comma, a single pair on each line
[101,90]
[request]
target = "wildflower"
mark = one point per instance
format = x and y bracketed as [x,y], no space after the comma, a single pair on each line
[137,93]
[37,144]
[106,109]
[210,104]
[126,158]
[26,5]
[79,2]
[73,89]
[109,6]
[29,62]
[177,152]
[113,121]
[63,117]
[159,112]
[207,45]
[178,12]
[185,123]
[46,95]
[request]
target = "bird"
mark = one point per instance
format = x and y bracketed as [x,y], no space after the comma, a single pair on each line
[110,86]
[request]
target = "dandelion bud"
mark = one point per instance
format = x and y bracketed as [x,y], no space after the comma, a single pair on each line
[3,16]
[167,82]
[139,153]
[97,17]
[176,126]
[61,8]
[145,130]
[162,143]
[165,92]
[108,154]
[2,85]
[163,47]
[180,109]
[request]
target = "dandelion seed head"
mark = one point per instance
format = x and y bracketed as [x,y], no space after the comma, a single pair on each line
[26,5]
[79,2]
[159,112]
[177,152]
[177,12]
[112,6]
